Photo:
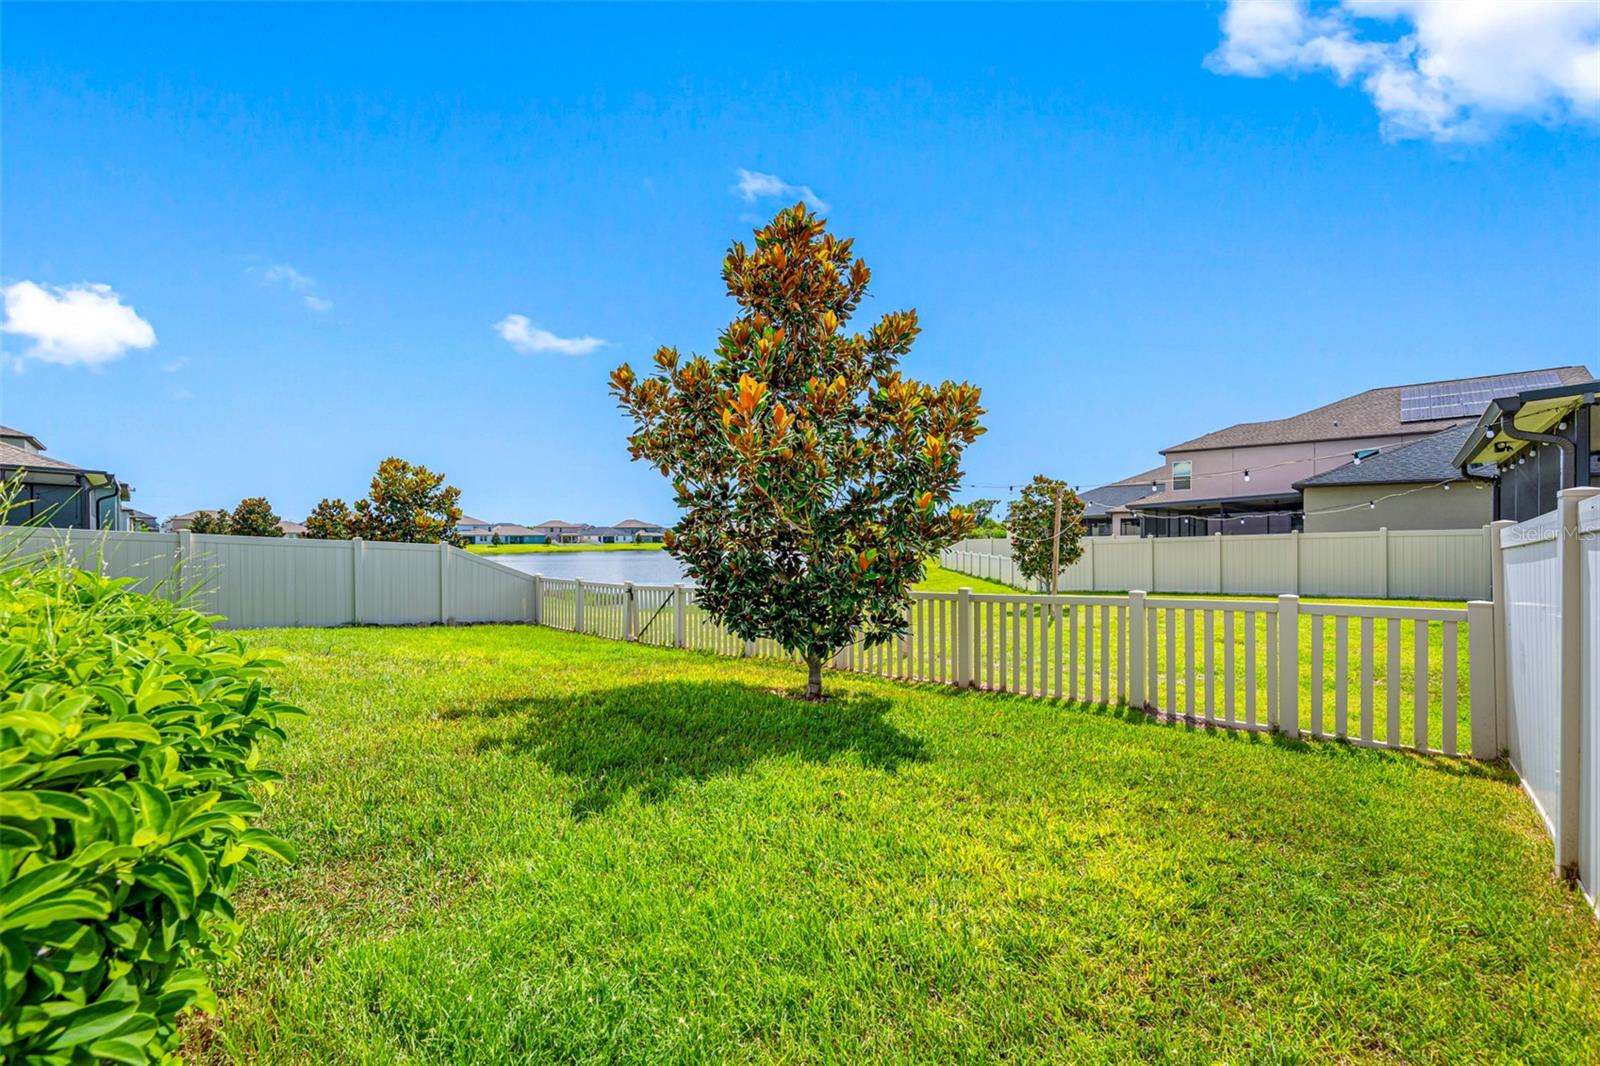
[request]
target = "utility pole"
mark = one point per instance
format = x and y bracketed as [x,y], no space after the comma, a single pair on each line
[1055,548]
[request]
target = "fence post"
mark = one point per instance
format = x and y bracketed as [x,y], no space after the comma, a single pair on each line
[1569,552]
[1289,665]
[630,613]
[444,585]
[1383,548]
[185,549]
[964,637]
[680,617]
[1094,573]
[1480,659]
[577,605]
[1497,588]
[749,649]
[538,599]
[1150,566]
[1294,543]
[358,558]
[1136,650]
[1218,538]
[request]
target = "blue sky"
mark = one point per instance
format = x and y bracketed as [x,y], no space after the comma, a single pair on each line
[321,214]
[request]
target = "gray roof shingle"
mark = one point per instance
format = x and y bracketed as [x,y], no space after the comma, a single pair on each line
[1430,459]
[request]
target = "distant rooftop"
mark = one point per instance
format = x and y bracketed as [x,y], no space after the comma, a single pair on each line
[1398,409]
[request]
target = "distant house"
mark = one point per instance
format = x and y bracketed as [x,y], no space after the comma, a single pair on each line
[511,533]
[473,530]
[638,532]
[141,520]
[1414,486]
[1243,479]
[1105,507]
[292,529]
[180,522]
[558,532]
[55,493]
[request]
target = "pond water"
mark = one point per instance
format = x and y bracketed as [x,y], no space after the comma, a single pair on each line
[640,567]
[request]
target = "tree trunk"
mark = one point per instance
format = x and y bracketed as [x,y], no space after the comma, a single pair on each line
[813,677]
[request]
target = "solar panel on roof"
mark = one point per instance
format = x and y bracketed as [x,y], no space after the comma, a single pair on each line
[1464,399]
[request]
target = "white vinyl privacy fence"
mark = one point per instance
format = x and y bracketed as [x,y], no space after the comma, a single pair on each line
[1548,571]
[256,582]
[1441,564]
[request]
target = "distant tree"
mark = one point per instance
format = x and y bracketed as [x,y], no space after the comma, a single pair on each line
[254,517]
[330,520]
[814,479]
[983,520]
[1031,524]
[408,503]
[219,521]
[494,538]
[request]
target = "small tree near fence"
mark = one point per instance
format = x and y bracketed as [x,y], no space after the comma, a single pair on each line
[254,517]
[1046,526]
[814,479]
[219,521]
[329,520]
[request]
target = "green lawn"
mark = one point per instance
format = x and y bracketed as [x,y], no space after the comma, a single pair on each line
[533,549]
[521,845]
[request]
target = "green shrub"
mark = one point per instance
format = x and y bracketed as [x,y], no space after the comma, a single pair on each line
[131,739]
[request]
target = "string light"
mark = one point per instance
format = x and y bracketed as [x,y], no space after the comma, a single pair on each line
[1247,475]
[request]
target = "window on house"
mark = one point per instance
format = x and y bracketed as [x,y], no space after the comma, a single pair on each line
[1182,475]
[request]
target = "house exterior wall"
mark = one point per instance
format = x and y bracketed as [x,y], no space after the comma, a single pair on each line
[1467,505]
[1274,468]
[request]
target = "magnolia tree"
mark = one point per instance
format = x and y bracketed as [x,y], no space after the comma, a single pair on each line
[407,503]
[814,479]
[1031,523]
[254,517]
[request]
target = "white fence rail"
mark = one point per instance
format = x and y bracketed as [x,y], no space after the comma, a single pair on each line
[1548,574]
[1443,564]
[257,582]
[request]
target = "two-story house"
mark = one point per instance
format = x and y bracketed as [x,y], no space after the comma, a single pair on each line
[1243,479]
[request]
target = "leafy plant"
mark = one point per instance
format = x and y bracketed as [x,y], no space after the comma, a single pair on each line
[1031,523]
[984,523]
[814,478]
[254,517]
[407,503]
[330,520]
[131,743]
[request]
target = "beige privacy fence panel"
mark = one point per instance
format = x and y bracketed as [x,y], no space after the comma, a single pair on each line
[1443,564]
[258,582]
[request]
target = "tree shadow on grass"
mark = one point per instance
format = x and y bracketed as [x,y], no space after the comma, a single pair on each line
[646,738]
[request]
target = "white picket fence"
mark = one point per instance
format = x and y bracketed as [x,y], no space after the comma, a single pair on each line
[1396,677]
[1440,564]
[1548,574]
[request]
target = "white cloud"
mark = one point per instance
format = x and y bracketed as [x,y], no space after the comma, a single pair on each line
[754,184]
[174,366]
[524,336]
[1446,71]
[286,276]
[74,324]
